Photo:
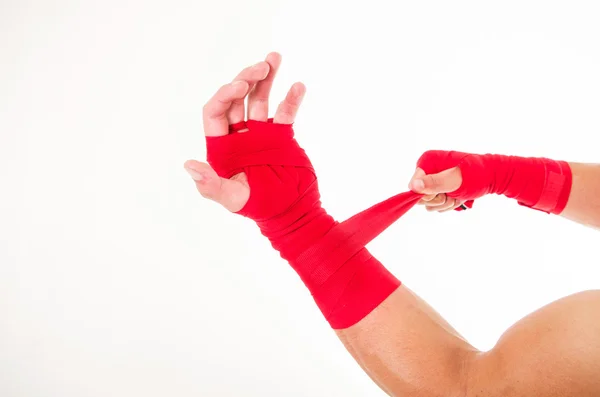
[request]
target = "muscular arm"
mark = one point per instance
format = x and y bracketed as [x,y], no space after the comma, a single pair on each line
[402,343]
[409,350]
[584,202]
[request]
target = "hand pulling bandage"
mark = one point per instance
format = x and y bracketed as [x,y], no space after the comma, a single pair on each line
[538,183]
[330,257]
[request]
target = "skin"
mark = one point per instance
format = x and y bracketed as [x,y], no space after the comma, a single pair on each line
[406,347]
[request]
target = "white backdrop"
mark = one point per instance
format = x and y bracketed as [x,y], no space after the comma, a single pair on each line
[117,279]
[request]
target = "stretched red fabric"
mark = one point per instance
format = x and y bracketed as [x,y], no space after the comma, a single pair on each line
[330,257]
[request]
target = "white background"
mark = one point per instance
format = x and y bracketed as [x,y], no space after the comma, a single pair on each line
[117,279]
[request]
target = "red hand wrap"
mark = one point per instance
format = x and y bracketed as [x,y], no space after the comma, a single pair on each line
[537,183]
[346,282]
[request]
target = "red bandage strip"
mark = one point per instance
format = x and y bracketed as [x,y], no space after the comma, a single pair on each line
[346,282]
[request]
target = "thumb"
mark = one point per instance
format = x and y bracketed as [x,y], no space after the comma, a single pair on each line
[444,182]
[230,193]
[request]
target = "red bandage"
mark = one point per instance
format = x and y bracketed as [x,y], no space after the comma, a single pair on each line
[537,183]
[346,282]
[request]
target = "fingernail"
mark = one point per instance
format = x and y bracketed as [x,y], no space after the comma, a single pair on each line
[194,174]
[418,184]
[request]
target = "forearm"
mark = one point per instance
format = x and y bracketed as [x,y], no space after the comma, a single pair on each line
[584,201]
[397,338]
[399,341]
[408,349]
[535,182]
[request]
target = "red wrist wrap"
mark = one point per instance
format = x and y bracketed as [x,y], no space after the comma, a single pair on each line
[537,183]
[346,282]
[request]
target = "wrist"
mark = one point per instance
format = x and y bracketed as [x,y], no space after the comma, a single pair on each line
[539,183]
[291,236]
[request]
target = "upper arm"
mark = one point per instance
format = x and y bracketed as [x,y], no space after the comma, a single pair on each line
[409,350]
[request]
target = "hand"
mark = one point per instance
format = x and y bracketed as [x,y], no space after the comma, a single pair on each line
[435,186]
[226,108]
[450,180]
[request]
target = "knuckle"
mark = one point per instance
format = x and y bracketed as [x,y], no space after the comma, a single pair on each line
[423,159]
[285,110]
[222,89]
[449,204]
[434,201]
[210,195]
[428,155]
[430,161]
[260,100]
[438,200]
[206,193]
[244,72]
[433,181]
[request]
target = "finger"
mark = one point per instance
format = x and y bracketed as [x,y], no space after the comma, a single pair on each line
[455,206]
[250,75]
[443,182]
[230,193]
[415,185]
[287,110]
[419,173]
[426,198]
[440,207]
[450,202]
[258,99]
[437,200]
[214,112]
